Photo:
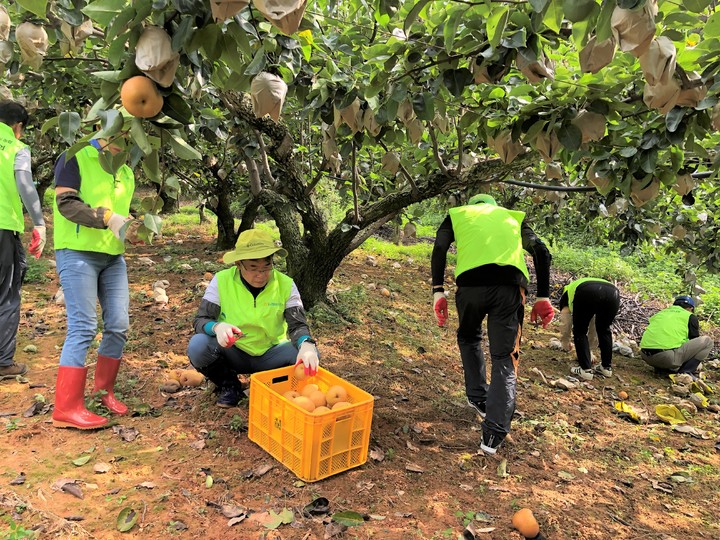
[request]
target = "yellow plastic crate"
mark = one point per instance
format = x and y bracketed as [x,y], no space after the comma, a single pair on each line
[313,446]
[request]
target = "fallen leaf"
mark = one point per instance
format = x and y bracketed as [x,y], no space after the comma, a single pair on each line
[101,468]
[662,486]
[73,489]
[364,486]
[236,520]
[692,431]
[178,526]
[74,518]
[19,480]
[333,529]
[411,446]
[147,485]
[318,507]
[233,511]
[30,348]
[127,434]
[263,469]
[414,468]
[38,407]
[348,518]
[566,476]
[198,445]
[208,481]
[377,454]
[283,518]
[502,469]
[79,462]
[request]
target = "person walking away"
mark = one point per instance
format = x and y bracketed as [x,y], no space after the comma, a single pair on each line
[245,318]
[672,340]
[90,221]
[492,278]
[17,189]
[583,301]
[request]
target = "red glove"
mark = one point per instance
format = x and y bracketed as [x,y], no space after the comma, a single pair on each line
[542,312]
[37,244]
[440,307]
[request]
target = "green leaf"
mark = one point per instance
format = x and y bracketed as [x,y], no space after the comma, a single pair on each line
[414,12]
[126,520]
[674,117]
[79,462]
[712,27]
[69,123]
[495,25]
[154,223]
[49,124]
[139,137]
[696,6]
[111,121]
[554,16]
[38,7]
[451,26]
[177,108]
[570,136]
[183,33]
[348,518]
[257,64]
[208,481]
[172,187]
[456,80]
[468,119]
[110,76]
[103,11]
[603,29]
[151,166]
[182,149]
[648,160]
[578,10]
[538,5]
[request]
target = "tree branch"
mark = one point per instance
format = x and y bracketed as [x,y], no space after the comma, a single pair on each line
[318,176]
[367,233]
[255,185]
[461,150]
[265,163]
[436,150]
[355,183]
[403,170]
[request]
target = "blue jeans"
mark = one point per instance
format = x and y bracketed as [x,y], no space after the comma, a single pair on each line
[87,277]
[203,350]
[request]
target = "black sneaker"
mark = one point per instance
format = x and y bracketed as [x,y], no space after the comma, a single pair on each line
[478,406]
[228,396]
[491,441]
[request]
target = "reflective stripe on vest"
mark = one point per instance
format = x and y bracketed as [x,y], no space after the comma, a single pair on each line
[11,215]
[97,188]
[261,319]
[570,288]
[668,329]
[487,234]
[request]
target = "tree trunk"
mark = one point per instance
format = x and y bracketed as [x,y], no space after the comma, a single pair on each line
[170,205]
[225,223]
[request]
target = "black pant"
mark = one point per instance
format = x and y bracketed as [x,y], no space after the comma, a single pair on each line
[504,307]
[599,300]
[13,265]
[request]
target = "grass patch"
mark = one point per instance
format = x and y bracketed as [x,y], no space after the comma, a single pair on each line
[37,270]
[389,250]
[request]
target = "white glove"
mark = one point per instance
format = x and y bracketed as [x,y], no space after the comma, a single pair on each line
[226,334]
[115,223]
[308,355]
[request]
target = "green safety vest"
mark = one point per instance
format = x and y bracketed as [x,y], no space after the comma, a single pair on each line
[570,288]
[487,234]
[97,188]
[261,319]
[668,329]
[11,214]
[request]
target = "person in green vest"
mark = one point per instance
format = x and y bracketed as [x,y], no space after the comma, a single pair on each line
[16,189]
[251,318]
[582,301]
[672,340]
[492,278]
[90,223]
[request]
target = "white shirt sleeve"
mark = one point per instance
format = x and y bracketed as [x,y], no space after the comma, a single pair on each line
[212,294]
[294,300]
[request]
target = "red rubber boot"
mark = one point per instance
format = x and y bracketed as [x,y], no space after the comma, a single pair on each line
[105,374]
[70,408]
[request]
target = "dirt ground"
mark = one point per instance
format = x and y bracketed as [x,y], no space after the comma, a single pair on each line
[585,471]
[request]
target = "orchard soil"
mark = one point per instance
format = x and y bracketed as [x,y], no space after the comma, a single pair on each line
[586,472]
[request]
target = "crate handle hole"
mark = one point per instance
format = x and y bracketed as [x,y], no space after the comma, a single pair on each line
[280,379]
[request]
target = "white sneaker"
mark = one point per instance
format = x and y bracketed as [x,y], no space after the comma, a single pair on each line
[602,370]
[584,374]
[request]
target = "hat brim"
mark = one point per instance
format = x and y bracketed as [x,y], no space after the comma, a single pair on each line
[245,254]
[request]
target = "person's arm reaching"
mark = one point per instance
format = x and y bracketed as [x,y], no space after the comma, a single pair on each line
[299,333]
[693,327]
[31,201]
[443,238]
[542,310]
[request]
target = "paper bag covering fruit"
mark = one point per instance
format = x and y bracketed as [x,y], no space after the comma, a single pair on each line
[154,56]
[506,148]
[658,62]
[222,10]
[642,191]
[662,96]
[547,144]
[285,15]
[634,29]
[268,93]
[591,124]
[33,42]
[4,24]
[602,182]
[535,66]
[690,97]
[595,56]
